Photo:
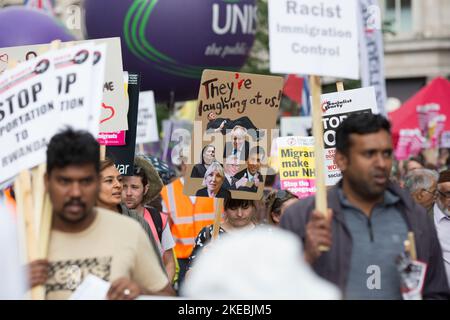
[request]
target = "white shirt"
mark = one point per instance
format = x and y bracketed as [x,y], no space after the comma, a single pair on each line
[442,223]
[167,242]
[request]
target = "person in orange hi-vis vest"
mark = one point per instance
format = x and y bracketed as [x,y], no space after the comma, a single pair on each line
[188,215]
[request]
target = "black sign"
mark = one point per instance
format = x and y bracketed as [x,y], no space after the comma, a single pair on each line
[123,156]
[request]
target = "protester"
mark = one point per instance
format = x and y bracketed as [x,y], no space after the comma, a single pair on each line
[238,215]
[441,215]
[260,264]
[413,163]
[87,240]
[421,184]
[188,216]
[443,159]
[139,190]
[277,201]
[208,156]
[212,182]
[368,220]
[110,196]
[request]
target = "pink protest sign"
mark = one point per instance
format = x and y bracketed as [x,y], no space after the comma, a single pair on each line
[112,138]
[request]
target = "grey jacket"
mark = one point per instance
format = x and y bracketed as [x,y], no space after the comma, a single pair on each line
[334,265]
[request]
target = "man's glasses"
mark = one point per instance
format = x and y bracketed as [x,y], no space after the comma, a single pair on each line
[433,193]
[446,196]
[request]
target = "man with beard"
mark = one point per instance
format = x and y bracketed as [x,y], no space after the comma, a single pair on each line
[138,190]
[441,217]
[368,220]
[89,240]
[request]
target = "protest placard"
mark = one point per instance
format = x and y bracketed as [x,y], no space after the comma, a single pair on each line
[314,37]
[98,79]
[123,156]
[371,50]
[114,105]
[336,107]
[176,142]
[230,147]
[112,138]
[296,165]
[410,143]
[28,95]
[147,127]
[73,71]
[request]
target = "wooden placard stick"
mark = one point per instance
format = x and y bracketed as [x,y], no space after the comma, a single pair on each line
[340,86]
[24,199]
[141,148]
[45,227]
[38,193]
[412,246]
[218,208]
[102,152]
[321,192]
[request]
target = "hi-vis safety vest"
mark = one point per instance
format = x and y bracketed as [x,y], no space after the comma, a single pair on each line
[187,218]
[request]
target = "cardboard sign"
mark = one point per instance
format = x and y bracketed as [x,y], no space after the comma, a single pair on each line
[98,76]
[114,106]
[123,156]
[176,143]
[234,116]
[336,107]
[314,37]
[296,165]
[28,114]
[147,127]
[295,126]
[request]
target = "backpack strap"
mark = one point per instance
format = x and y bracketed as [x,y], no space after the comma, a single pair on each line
[157,220]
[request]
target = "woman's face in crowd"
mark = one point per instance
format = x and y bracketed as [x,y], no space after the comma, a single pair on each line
[209,155]
[110,186]
[277,217]
[214,181]
[240,217]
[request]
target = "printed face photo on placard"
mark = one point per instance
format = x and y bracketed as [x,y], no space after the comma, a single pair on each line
[231,136]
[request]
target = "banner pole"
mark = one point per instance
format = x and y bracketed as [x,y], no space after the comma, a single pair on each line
[321,192]
[102,152]
[218,205]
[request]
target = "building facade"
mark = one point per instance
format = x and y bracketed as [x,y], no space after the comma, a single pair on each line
[420,49]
